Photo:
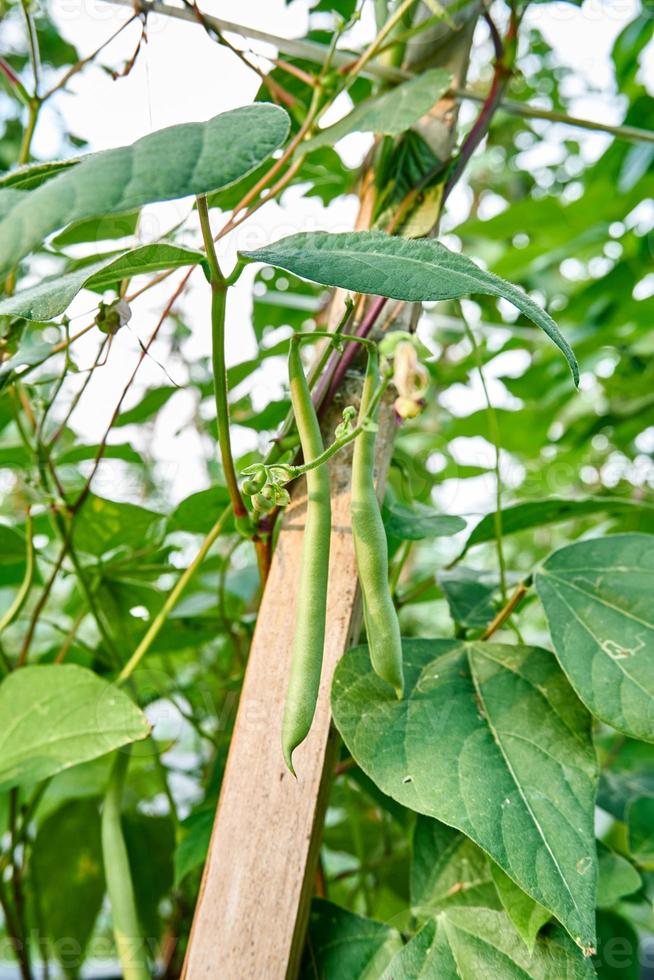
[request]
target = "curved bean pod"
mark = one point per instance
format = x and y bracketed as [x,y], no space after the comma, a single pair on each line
[309,638]
[371,549]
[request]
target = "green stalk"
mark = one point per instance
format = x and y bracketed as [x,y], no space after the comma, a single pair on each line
[218,309]
[494,431]
[130,944]
[26,584]
[172,599]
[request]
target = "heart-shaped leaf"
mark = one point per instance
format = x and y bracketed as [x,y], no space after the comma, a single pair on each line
[193,158]
[416,270]
[492,740]
[57,715]
[597,596]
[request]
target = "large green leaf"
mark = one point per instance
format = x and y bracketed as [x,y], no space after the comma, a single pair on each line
[391,113]
[344,946]
[490,739]
[551,510]
[52,296]
[467,944]
[68,877]
[56,716]
[193,158]
[414,270]
[597,596]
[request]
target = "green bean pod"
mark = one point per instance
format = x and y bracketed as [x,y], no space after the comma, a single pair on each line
[308,643]
[371,549]
[130,944]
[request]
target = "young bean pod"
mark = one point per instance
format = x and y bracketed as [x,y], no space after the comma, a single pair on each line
[370,546]
[309,637]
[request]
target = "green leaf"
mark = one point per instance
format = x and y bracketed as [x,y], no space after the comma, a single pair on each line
[198,513]
[391,113]
[490,739]
[56,716]
[448,869]
[640,824]
[150,842]
[617,878]
[150,404]
[551,510]
[469,594]
[417,270]
[419,522]
[526,915]
[53,296]
[67,874]
[344,946]
[103,525]
[30,176]
[630,774]
[466,944]
[193,845]
[193,158]
[102,229]
[597,596]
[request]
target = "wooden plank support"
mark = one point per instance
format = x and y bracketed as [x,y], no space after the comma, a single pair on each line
[258,880]
[253,906]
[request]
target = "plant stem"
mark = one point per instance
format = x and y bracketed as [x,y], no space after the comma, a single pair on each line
[508,609]
[17,888]
[400,562]
[494,432]
[23,592]
[130,945]
[28,134]
[218,309]
[13,933]
[341,362]
[33,43]
[372,49]
[172,599]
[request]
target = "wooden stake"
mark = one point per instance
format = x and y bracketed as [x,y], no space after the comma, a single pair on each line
[256,890]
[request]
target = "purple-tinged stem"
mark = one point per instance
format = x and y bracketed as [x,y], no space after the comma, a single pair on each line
[339,364]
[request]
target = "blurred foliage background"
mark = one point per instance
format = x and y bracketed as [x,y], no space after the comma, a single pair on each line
[570,218]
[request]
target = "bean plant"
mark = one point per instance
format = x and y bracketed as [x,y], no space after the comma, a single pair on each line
[490,810]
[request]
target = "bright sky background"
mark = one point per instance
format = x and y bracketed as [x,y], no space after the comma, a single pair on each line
[182,75]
